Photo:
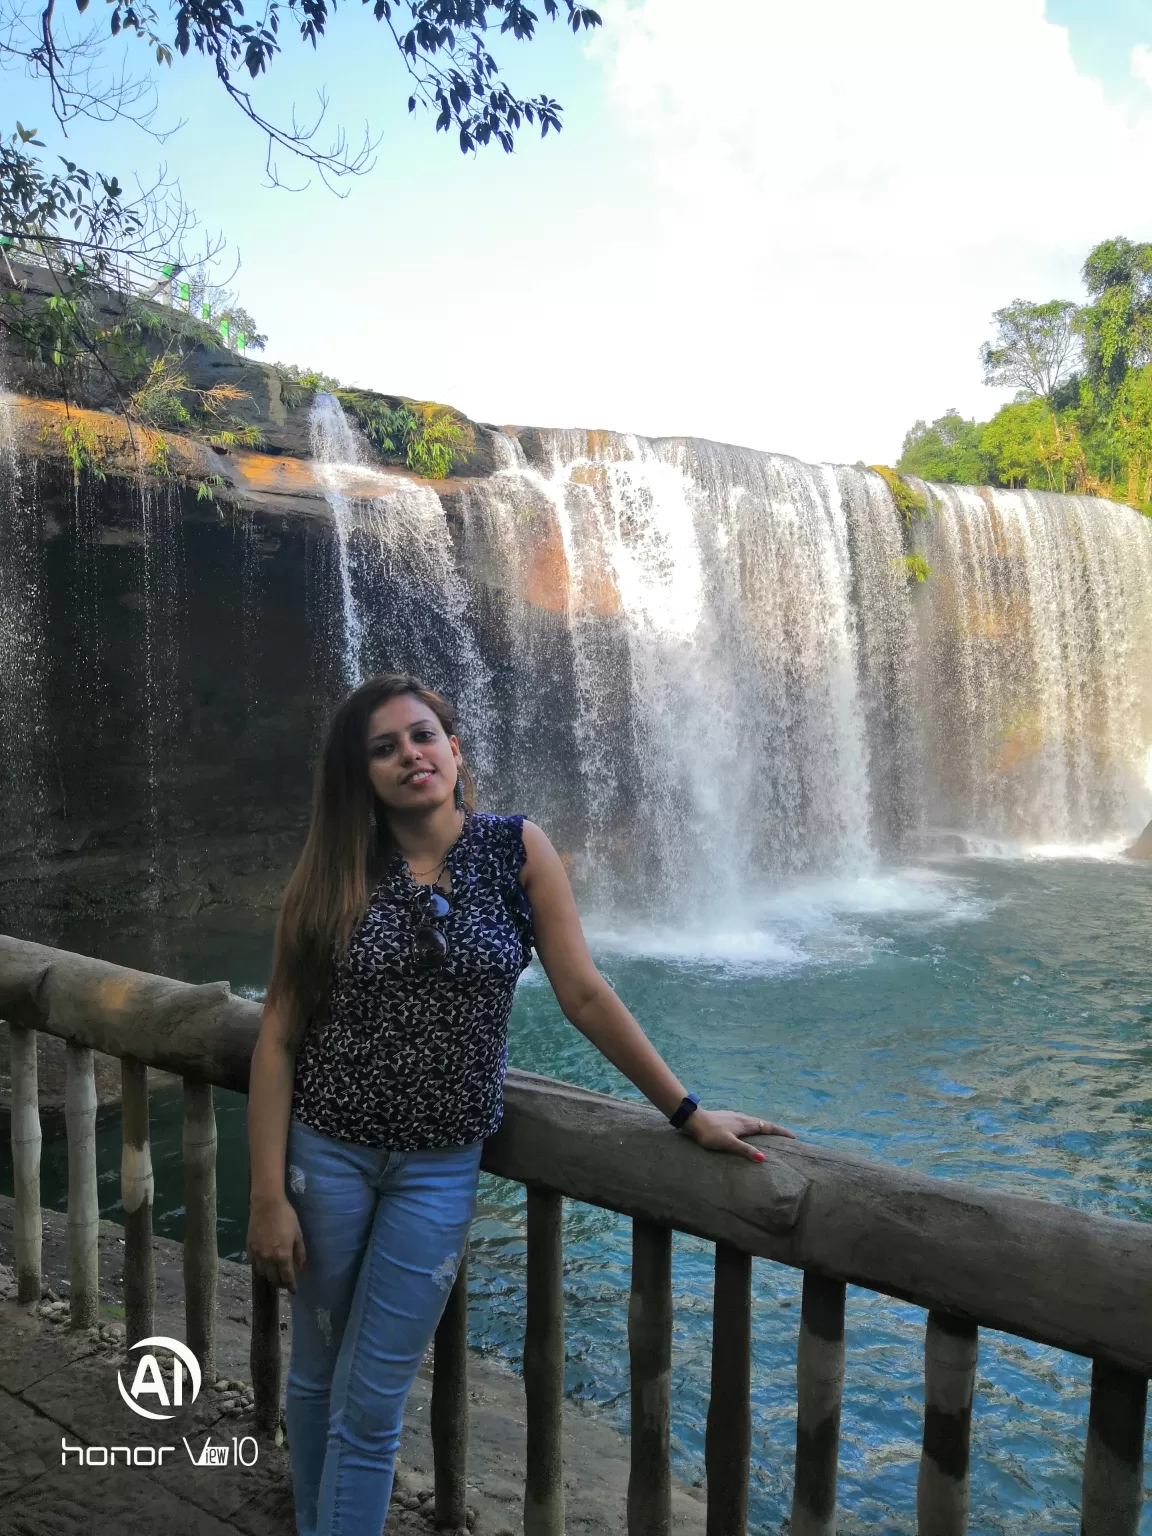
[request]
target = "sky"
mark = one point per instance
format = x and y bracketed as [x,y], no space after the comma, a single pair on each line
[776,225]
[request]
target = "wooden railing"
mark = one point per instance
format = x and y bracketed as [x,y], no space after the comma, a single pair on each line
[1040,1270]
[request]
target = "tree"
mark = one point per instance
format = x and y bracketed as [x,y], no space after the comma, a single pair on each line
[950,451]
[1029,445]
[1035,348]
[88,232]
[80,216]
[1117,325]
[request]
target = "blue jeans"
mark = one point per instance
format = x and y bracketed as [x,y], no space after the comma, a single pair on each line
[384,1232]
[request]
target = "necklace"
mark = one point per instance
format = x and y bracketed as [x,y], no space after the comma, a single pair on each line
[439,868]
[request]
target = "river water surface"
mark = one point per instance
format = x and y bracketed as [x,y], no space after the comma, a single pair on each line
[979,1019]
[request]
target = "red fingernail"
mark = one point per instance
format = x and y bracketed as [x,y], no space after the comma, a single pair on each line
[759,1157]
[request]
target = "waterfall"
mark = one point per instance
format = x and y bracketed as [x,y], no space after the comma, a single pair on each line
[706,671]
[703,669]
[1036,709]
[22,648]
[728,678]
[404,604]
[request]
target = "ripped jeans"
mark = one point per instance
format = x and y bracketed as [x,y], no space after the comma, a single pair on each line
[384,1232]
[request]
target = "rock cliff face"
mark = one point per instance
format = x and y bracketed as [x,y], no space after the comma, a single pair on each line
[186,656]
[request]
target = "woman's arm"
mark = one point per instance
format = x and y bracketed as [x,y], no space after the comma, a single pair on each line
[274,1238]
[591,1005]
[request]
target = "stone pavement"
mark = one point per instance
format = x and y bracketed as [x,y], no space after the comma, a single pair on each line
[58,1384]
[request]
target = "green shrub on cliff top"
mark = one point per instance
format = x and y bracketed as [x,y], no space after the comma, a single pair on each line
[909,503]
[432,450]
[425,437]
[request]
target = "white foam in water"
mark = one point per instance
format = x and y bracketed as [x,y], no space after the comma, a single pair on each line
[812,922]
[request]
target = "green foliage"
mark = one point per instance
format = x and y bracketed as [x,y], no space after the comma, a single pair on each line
[296,384]
[167,401]
[84,450]
[159,400]
[911,504]
[432,450]
[1088,431]
[83,209]
[947,452]
[443,45]
[914,567]
[1117,325]
[159,457]
[426,438]
[206,489]
[389,428]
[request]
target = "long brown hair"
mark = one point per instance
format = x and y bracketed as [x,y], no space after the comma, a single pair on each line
[349,844]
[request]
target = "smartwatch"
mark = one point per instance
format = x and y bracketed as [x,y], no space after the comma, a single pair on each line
[687,1107]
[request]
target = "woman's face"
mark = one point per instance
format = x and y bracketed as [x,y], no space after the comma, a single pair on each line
[411,762]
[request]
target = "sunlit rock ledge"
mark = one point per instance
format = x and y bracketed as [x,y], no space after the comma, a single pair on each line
[280,483]
[282,489]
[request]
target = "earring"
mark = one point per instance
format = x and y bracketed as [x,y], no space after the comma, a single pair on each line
[458,792]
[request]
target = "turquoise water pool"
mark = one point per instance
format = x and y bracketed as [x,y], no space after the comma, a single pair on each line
[988,1020]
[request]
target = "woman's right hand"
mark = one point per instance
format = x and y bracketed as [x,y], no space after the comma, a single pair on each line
[275,1241]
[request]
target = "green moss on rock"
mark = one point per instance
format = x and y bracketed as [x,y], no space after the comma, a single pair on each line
[911,504]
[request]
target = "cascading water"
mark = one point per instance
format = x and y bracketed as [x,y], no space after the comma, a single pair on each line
[22,648]
[705,671]
[1037,633]
[722,662]
[404,603]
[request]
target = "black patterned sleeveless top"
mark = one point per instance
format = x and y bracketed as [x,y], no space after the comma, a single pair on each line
[407,1058]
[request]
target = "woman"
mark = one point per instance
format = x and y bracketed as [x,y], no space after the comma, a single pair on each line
[379,1068]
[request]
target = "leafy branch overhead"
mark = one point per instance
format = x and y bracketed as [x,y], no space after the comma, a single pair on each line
[443,45]
[84,227]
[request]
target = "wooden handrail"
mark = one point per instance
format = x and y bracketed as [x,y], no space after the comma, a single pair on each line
[1068,1278]
[970,1257]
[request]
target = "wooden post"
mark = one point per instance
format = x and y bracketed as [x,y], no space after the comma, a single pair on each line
[264,1356]
[137,1191]
[650,1349]
[819,1391]
[450,1406]
[83,1196]
[950,1349]
[1113,1486]
[201,1261]
[28,1224]
[544,1365]
[728,1435]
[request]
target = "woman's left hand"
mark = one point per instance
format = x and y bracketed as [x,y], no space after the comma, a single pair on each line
[720,1130]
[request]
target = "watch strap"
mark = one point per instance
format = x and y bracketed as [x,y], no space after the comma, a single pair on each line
[686,1107]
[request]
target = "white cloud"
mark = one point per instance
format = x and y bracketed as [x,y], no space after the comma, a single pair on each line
[1141,61]
[847,193]
[788,230]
